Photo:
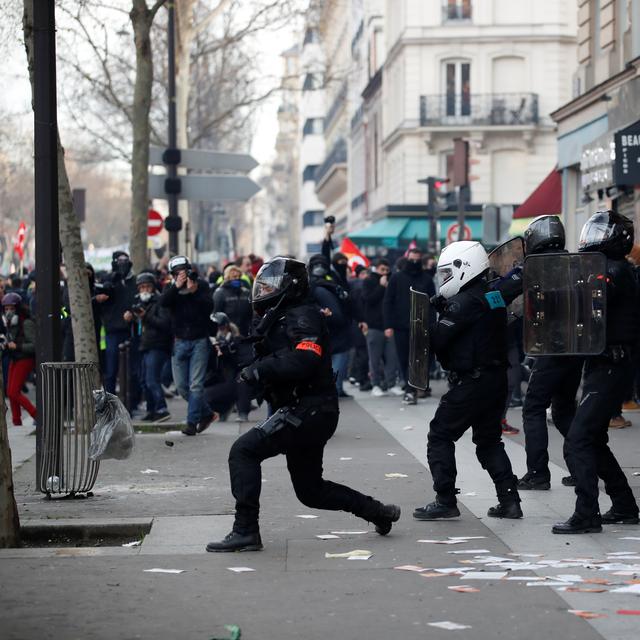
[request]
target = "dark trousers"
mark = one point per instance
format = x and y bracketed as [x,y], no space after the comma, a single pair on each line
[153,362]
[587,451]
[477,403]
[402,348]
[554,382]
[303,446]
[112,357]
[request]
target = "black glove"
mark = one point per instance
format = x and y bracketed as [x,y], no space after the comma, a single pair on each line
[439,303]
[250,375]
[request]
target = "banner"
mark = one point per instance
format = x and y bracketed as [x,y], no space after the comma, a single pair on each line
[354,255]
[18,245]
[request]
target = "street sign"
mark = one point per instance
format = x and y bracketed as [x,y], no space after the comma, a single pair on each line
[208,160]
[452,233]
[154,223]
[207,188]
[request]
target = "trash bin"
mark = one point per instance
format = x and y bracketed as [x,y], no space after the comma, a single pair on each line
[67,419]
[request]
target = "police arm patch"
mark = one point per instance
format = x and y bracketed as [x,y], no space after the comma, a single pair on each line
[309,345]
[495,300]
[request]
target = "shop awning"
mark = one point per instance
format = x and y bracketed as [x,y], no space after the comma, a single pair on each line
[398,232]
[546,199]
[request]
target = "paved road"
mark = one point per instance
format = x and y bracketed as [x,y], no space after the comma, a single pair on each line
[295,592]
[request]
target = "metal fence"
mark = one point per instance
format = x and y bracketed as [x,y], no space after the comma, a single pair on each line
[68,417]
[499,109]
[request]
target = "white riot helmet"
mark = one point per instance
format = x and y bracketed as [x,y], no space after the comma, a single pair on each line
[459,263]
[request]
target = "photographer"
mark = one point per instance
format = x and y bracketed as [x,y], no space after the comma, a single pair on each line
[153,324]
[234,299]
[189,303]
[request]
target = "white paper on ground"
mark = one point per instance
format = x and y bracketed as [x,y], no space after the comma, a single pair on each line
[524,578]
[527,555]
[306,516]
[328,536]
[464,551]
[463,538]
[350,554]
[485,575]
[546,584]
[471,494]
[488,559]
[149,471]
[240,569]
[412,567]
[349,533]
[517,566]
[213,478]
[448,625]
[567,577]
[630,538]
[632,588]
[164,570]
[443,541]
[135,543]
[344,459]
[396,475]
[454,570]
[360,557]
[391,454]
[621,553]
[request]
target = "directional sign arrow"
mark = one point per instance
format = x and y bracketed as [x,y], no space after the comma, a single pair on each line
[207,188]
[208,160]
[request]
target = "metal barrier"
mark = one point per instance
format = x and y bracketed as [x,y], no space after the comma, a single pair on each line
[68,417]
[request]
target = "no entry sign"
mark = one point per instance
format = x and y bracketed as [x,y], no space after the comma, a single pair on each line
[154,224]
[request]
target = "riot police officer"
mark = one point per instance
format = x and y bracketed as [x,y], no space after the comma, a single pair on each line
[554,380]
[470,342]
[293,373]
[587,451]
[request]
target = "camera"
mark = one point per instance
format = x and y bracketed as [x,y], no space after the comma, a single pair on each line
[138,307]
[330,220]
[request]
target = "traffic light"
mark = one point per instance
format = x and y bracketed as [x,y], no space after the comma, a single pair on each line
[437,196]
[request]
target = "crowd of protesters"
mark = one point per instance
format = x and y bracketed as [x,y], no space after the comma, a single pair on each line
[187,332]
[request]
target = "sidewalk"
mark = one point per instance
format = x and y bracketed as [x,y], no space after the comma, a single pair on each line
[295,592]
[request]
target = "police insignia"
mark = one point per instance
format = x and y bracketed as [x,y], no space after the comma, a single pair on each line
[495,300]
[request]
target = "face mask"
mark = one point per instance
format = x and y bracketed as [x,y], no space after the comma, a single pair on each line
[235,283]
[318,271]
[10,319]
[123,267]
[414,267]
[341,270]
[145,296]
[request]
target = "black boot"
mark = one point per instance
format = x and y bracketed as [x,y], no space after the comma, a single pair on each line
[235,541]
[579,524]
[569,481]
[190,430]
[531,481]
[387,515]
[615,516]
[436,511]
[508,501]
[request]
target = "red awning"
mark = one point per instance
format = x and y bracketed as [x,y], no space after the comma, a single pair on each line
[545,200]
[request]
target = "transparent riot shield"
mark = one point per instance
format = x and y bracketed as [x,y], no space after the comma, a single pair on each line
[502,260]
[565,299]
[505,257]
[419,340]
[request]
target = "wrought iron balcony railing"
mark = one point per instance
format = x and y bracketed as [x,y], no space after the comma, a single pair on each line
[498,109]
[337,155]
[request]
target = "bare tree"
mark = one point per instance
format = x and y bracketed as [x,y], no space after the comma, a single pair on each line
[86,349]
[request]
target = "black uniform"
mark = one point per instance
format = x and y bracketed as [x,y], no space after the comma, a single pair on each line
[470,341]
[588,453]
[294,371]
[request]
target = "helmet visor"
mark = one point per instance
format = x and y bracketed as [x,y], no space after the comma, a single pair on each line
[269,281]
[594,233]
[444,274]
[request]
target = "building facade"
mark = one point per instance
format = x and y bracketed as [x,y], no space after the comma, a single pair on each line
[598,143]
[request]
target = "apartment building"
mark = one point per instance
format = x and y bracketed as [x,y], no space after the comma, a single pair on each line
[599,129]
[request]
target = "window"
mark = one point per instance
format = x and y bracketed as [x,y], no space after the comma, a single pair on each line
[313,218]
[309,172]
[458,88]
[310,36]
[314,247]
[311,82]
[313,126]
[457,10]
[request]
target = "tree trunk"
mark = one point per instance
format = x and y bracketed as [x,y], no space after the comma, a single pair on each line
[84,339]
[9,520]
[141,19]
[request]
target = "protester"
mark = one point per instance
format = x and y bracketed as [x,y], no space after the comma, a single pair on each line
[189,302]
[234,299]
[383,362]
[153,323]
[359,361]
[397,309]
[21,347]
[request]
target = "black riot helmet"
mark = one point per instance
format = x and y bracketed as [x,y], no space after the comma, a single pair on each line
[280,282]
[609,233]
[544,234]
[146,278]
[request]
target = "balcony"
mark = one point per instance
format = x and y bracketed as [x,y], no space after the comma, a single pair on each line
[479,110]
[331,175]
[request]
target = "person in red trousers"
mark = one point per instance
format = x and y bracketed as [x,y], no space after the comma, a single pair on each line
[21,345]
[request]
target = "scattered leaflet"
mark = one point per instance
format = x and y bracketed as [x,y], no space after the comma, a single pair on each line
[448,625]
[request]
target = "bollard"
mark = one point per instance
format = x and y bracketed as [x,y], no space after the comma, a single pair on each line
[67,419]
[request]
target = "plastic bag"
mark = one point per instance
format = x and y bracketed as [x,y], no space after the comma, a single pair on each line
[112,436]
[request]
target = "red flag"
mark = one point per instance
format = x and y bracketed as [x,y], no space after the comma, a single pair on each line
[18,245]
[354,255]
[412,245]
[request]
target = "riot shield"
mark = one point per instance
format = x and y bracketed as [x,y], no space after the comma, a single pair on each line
[565,299]
[419,340]
[505,257]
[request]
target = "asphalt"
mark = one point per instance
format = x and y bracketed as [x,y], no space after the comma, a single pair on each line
[294,590]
